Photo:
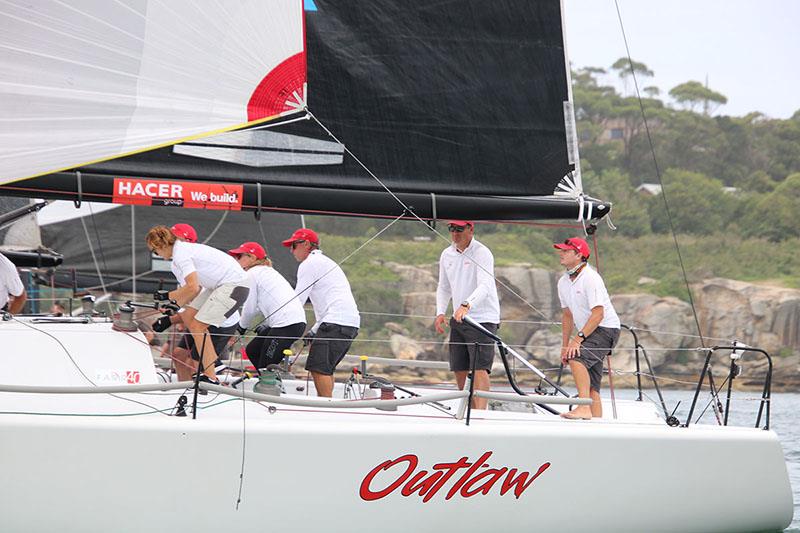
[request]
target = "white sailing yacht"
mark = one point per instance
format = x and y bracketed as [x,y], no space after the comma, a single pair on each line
[92,437]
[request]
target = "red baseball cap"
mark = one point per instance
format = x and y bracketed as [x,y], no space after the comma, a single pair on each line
[302,234]
[575,243]
[185,231]
[252,248]
[460,223]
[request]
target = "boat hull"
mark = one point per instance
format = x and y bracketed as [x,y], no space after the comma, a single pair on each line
[310,470]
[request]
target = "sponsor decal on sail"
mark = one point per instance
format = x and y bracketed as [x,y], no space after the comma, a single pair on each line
[177,193]
[476,478]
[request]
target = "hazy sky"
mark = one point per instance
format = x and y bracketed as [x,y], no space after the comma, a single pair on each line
[749,49]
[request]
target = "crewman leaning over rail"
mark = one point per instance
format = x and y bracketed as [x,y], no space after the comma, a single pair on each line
[337,319]
[586,306]
[466,277]
[213,287]
[185,350]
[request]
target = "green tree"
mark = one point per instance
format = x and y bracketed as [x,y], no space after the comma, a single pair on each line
[626,69]
[694,95]
[774,215]
[697,204]
[630,210]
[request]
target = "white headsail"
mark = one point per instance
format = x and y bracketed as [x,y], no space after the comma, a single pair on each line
[92,79]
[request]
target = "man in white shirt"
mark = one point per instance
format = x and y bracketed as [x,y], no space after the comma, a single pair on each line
[284,319]
[12,291]
[586,306]
[337,319]
[212,287]
[466,277]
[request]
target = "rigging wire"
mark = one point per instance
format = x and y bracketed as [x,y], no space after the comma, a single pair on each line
[77,366]
[410,210]
[658,175]
[96,264]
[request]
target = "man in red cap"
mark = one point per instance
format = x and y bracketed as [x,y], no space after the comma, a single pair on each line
[466,277]
[337,319]
[184,232]
[586,306]
[273,298]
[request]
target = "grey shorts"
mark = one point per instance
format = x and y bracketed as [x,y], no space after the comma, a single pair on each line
[215,306]
[462,347]
[329,347]
[594,350]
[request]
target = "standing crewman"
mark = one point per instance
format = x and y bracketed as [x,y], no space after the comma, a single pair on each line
[273,297]
[12,291]
[466,277]
[337,319]
[586,306]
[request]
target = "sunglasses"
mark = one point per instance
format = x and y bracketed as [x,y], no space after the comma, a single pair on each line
[295,243]
[452,228]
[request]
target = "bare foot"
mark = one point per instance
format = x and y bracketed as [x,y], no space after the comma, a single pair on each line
[577,414]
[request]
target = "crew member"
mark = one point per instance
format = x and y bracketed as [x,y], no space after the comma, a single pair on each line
[466,277]
[586,306]
[212,288]
[271,295]
[185,350]
[12,291]
[337,319]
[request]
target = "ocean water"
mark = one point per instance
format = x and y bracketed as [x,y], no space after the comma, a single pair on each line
[784,421]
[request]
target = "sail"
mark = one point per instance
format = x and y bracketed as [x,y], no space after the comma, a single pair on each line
[112,238]
[458,109]
[91,80]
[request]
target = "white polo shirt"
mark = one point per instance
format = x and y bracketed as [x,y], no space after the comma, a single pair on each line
[213,267]
[323,281]
[10,282]
[584,293]
[468,276]
[272,296]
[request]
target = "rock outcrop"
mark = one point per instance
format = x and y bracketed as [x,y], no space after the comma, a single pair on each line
[758,315]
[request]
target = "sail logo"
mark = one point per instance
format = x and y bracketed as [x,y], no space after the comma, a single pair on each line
[188,194]
[476,478]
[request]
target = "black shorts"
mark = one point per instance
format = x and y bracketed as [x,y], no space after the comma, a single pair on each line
[267,348]
[329,347]
[462,347]
[219,339]
[594,350]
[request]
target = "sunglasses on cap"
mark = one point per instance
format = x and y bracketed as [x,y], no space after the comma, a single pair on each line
[569,243]
[452,228]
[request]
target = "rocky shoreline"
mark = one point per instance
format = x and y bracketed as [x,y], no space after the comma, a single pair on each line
[758,315]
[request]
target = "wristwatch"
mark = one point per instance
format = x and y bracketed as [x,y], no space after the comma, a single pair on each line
[582,335]
[465,304]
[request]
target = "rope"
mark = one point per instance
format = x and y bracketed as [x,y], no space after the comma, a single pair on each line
[658,175]
[94,260]
[336,265]
[417,217]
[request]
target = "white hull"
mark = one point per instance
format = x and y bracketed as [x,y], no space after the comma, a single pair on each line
[309,469]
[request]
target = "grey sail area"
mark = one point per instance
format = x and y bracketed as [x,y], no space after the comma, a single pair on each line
[110,239]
